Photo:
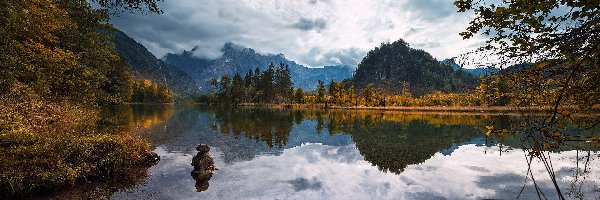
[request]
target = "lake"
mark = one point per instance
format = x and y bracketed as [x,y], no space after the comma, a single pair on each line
[345,154]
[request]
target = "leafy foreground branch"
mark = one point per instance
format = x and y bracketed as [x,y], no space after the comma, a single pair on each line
[561,40]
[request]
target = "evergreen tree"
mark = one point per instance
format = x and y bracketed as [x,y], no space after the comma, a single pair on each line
[258,90]
[299,96]
[336,90]
[237,90]
[283,84]
[266,84]
[352,95]
[368,95]
[225,90]
[320,92]
[249,87]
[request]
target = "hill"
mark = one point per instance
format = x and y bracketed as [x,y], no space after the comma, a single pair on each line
[144,65]
[395,66]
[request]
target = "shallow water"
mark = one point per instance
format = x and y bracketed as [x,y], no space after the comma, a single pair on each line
[278,154]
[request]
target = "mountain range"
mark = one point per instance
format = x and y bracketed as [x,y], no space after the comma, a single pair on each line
[239,59]
[386,67]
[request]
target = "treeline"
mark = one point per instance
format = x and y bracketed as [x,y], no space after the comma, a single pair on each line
[273,85]
[345,94]
[501,89]
[148,92]
[256,88]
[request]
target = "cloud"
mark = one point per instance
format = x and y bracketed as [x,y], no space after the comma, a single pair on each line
[311,32]
[321,57]
[307,24]
[426,45]
[316,171]
[431,9]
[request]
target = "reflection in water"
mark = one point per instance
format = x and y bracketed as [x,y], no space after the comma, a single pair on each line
[292,154]
[119,120]
[203,167]
[315,171]
[147,116]
[270,126]
[390,141]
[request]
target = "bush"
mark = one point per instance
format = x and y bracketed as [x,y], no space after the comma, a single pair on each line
[47,146]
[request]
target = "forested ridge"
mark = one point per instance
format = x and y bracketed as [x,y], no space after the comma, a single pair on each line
[396,66]
[145,66]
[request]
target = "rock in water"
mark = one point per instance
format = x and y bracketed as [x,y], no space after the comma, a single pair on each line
[203,167]
[203,148]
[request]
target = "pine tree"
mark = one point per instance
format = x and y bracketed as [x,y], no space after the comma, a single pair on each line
[237,90]
[249,87]
[368,94]
[299,96]
[224,90]
[283,84]
[266,84]
[320,92]
[352,96]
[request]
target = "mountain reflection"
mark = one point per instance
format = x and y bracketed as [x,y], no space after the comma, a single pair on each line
[347,154]
[387,140]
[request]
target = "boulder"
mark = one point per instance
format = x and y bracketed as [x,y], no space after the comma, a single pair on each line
[203,167]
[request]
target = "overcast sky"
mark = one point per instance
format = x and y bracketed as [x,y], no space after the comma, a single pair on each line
[311,32]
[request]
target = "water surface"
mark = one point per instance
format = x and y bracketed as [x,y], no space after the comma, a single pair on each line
[308,154]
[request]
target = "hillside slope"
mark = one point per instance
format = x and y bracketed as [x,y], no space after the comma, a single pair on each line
[394,65]
[144,65]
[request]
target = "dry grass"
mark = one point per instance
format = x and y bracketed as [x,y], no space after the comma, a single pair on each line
[49,146]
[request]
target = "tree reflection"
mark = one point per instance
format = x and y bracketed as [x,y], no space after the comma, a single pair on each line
[391,141]
[270,126]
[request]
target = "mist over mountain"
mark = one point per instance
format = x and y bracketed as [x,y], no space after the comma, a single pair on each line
[239,59]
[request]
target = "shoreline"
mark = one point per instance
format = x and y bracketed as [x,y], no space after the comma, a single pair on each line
[502,110]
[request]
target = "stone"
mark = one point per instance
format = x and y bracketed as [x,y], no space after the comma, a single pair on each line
[203,148]
[203,167]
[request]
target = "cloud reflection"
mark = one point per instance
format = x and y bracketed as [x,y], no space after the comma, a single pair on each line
[316,171]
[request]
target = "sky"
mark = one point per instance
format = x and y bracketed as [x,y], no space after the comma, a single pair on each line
[313,33]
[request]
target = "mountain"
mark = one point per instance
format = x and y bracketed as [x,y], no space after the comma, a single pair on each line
[481,71]
[144,65]
[239,59]
[394,65]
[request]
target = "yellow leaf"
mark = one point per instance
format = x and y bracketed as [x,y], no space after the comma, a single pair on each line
[490,129]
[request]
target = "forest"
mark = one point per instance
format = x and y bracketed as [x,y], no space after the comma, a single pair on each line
[58,72]
[61,71]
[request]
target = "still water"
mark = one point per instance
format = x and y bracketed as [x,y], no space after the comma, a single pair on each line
[336,154]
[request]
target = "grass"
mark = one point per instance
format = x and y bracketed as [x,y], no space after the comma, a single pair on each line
[45,147]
